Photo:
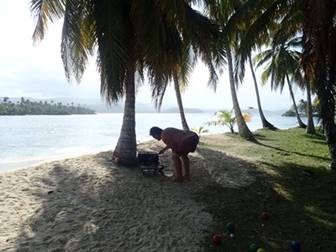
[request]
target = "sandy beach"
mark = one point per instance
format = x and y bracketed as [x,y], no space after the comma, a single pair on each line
[89,204]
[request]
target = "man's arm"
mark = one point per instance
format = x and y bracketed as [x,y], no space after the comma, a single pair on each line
[164,149]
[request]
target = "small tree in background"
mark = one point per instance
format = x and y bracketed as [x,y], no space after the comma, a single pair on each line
[226,118]
[200,130]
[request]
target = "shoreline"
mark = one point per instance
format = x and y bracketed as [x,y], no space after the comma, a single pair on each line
[87,204]
[14,164]
[28,163]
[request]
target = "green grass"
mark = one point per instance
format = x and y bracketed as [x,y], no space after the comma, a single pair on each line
[296,187]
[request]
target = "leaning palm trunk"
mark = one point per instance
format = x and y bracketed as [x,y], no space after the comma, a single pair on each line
[301,124]
[243,130]
[125,151]
[310,123]
[265,123]
[179,101]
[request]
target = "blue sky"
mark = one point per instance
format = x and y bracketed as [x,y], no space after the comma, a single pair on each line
[37,71]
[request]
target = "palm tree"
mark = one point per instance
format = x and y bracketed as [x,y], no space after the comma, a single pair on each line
[310,122]
[319,61]
[243,130]
[130,36]
[226,118]
[315,21]
[179,101]
[222,12]
[238,31]
[281,61]
[180,74]
[304,83]
[265,123]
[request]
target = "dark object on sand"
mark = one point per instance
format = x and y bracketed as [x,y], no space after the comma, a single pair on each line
[150,163]
[216,239]
[296,246]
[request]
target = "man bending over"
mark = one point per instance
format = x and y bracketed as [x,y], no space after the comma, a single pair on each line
[181,143]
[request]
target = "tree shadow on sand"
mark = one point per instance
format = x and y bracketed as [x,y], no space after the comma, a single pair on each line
[80,210]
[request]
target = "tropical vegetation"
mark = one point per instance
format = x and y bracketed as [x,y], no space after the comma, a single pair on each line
[226,118]
[200,130]
[160,41]
[152,38]
[222,11]
[27,107]
[302,108]
[282,61]
[128,37]
[282,20]
[264,121]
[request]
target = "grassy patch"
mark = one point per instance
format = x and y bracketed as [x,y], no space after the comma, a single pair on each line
[297,189]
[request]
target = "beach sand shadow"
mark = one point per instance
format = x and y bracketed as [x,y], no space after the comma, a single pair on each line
[87,204]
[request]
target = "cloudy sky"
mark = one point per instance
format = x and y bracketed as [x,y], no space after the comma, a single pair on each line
[36,70]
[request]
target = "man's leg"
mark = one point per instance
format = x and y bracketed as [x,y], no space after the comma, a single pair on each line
[178,167]
[186,162]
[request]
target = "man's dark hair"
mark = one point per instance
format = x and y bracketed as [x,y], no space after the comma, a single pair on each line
[155,131]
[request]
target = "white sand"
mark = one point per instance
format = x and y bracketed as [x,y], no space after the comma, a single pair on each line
[89,204]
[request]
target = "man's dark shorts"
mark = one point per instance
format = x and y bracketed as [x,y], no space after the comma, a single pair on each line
[188,144]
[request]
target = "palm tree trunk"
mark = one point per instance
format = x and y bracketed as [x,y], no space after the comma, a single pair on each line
[265,123]
[301,124]
[327,106]
[243,130]
[310,123]
[179,101]
[125,151]
[231,128]
[318,33]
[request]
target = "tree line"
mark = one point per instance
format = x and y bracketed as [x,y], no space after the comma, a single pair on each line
[302,108]
[27,107]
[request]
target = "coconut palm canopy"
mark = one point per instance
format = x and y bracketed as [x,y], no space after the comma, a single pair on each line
[129,36]
[281,61]
[149,34]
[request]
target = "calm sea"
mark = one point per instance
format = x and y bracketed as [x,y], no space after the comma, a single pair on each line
[29,140]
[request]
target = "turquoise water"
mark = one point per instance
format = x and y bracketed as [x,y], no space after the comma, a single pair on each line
[29,140]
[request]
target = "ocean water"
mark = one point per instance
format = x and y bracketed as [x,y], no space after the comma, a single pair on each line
[29,140]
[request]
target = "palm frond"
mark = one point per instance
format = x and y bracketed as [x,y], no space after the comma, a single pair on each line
[115,46]
[78,38]
[259,28]
[45,11]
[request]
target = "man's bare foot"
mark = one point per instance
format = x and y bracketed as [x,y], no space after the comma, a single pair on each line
[187,178]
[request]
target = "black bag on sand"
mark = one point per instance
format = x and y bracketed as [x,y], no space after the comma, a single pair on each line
[148,159]
[150,163]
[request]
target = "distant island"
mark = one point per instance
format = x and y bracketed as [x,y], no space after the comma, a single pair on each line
[91,106]
[186,110]
[302,109]
[27,107]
